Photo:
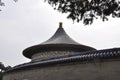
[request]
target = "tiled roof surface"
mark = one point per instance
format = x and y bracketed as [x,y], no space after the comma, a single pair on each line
[60,40]
[83,56]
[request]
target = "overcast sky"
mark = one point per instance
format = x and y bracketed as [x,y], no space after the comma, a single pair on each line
[30,22]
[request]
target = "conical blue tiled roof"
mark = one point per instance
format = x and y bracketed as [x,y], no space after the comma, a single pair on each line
[59,41]
[60,37]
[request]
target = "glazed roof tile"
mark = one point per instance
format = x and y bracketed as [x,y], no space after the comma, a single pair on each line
[60,37]
[107,54]
[59,41]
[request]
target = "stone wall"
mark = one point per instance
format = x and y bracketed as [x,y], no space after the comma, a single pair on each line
[92,70]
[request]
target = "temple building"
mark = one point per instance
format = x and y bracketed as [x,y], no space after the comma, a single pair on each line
[62,58]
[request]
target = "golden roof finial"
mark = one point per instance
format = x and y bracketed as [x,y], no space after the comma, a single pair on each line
[60,24]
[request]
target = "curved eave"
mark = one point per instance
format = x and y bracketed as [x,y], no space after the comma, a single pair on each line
[55,47]
[112,54]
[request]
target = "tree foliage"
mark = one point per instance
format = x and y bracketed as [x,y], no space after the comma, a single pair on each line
[3,3]
[3,69]
[87,10]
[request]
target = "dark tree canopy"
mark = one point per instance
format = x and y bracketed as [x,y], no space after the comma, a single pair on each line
[2,3]
[87,10]
[3,69]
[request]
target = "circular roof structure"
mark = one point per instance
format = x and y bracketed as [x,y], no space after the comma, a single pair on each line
[59,41]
